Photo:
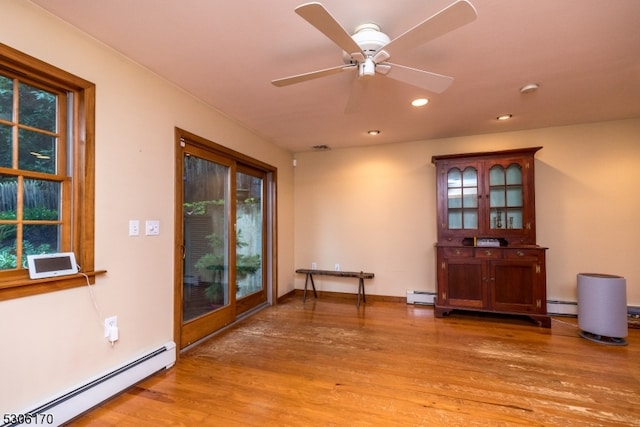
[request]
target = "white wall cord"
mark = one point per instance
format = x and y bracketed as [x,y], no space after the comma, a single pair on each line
[93,299]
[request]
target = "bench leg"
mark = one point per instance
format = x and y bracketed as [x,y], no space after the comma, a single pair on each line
[313,286]
[361,291]
[304,294]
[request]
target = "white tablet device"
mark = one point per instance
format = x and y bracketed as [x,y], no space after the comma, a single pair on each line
[51,265]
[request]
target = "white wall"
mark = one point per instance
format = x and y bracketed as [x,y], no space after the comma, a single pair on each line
[53,342]
[374,208]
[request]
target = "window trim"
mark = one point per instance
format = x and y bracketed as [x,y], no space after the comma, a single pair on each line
[17,284]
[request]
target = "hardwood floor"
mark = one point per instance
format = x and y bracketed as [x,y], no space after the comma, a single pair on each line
[328,363]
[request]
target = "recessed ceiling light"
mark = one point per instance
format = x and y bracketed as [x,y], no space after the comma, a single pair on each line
[373,132]
[419,102]
[504,116]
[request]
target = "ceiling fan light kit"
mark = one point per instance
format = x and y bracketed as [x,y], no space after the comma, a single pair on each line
[369,49]
[367,68]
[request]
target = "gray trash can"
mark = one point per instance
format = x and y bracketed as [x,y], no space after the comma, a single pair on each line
[602,308]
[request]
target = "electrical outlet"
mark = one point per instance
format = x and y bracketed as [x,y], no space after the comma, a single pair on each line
[109,323]
[314,266]
[336,267]
[134,227]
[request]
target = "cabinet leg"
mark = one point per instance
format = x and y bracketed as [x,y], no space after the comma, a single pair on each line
[542,320]
[441,311]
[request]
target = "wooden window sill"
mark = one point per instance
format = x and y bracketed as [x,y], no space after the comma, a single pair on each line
[22,287]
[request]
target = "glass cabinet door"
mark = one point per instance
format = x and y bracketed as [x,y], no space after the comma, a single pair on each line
[505,197]
[487,195]
[462,199]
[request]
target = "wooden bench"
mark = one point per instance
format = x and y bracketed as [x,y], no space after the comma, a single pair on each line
[310,273]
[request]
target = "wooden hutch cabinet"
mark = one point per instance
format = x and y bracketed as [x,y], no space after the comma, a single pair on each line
[487,256]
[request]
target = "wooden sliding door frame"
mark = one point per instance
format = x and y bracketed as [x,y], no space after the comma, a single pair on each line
[270,215]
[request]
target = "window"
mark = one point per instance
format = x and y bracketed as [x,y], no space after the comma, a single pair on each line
[46,171]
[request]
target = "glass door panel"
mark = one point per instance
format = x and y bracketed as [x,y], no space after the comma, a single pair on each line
[470,197]
[251,239]
[505,197]
[514,196]
[470,219]
[205,296]
[514,175]
[496,176]
[454,199]
[462,203]
[462,194]
[470,177]
[249,235]
[514,218]
[455,219]
[206,237]
[454,196]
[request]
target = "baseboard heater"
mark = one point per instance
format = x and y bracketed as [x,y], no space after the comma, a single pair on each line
[420,297]
[79,400]
[570,308]
[562,308]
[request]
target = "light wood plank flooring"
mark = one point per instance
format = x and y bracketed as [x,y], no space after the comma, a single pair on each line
[328,363]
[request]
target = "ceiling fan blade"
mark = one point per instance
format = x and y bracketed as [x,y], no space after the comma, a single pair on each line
[432,82]
[448,19]
[357,89]
[286,81]
[315,14]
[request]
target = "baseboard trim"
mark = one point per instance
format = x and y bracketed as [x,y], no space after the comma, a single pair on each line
[344,295]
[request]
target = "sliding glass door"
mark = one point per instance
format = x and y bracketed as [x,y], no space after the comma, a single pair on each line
[207,298]
[224,235]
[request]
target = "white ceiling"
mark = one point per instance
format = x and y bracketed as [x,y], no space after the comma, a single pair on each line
[584,54]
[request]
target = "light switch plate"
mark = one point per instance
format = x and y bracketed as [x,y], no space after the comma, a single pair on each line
[152,227]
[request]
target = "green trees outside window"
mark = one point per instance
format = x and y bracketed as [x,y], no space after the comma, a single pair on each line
[31,171]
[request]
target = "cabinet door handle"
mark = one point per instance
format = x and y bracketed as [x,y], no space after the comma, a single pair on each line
[487,253]
[520,253]
[457,251]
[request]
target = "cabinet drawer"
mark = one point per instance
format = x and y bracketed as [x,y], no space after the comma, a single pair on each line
[457,252]
[521,253]
[490,253]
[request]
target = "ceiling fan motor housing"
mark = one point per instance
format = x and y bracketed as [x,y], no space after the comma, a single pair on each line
[369,38]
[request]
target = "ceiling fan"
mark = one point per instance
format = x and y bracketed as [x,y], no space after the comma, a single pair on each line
[368,50]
